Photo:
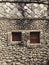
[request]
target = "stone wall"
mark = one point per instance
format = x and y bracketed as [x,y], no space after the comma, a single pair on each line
[30,10]
[23,54]
[26,0]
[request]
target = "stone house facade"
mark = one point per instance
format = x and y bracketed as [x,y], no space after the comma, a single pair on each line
[24,32]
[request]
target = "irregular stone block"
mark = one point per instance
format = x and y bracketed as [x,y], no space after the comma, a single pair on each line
[4,63]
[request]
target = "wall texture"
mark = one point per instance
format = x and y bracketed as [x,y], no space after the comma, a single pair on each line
[24,54]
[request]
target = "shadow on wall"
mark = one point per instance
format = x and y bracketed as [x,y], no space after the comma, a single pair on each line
[47,62]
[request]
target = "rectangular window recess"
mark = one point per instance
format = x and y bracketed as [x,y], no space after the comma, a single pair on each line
[16,36]
[34,37]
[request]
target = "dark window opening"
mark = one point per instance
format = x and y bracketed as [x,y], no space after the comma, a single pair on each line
[16,36]
[34,37]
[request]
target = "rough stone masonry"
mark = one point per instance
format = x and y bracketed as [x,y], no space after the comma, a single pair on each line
[20,16]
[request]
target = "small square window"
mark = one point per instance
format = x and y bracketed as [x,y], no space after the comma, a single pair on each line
[34,37]
[16,36]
